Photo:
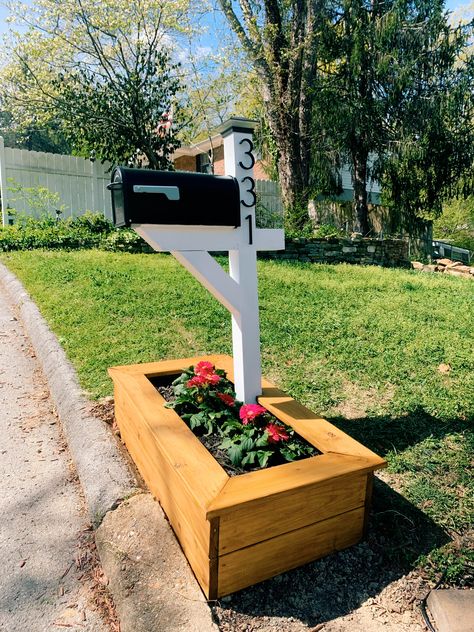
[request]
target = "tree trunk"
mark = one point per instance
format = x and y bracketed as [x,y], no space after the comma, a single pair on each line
[294,187]
[284,53]
[359,181]
[293,159]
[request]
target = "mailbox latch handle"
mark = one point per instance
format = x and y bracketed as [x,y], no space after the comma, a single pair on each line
[172,193]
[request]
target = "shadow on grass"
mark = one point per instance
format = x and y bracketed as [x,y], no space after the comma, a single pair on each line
[398,535]
[385,433]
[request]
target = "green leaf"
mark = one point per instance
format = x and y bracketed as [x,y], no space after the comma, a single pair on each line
[249,458]
[247,443]
[263,456]
[262,441]
[227,443]
[235,454]
[196,420]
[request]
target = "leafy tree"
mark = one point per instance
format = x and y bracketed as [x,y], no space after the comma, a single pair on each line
[118,114]
[281,39]
[456,224]
[102,70]
[28,135]
[396,103]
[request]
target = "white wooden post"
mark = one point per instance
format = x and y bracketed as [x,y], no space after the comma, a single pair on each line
[238,162]
[3,183]
[238,290]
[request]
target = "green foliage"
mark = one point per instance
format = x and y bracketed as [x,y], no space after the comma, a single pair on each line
[454,563]
[265,218]
[32,135]
[98,74]
[39,200]
[96,223]
[91,230]
[327,230]
[395,102]
[124,240]
[204,398]
[46,231]
[118,116]
[297,224]
[456,224]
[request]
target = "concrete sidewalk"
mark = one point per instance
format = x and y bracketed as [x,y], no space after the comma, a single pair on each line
[42,508]
[150,581]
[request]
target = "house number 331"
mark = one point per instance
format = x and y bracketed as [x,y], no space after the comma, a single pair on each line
[247,165]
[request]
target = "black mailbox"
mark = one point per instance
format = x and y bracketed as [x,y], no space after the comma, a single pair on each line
[142,196]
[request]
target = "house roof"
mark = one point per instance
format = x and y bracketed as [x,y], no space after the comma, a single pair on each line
[216,138]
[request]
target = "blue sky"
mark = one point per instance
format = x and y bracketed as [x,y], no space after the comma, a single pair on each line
[450,4]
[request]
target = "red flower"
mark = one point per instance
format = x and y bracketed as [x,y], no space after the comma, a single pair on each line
[204,368]
[248,412]
[205,372]
[276,433]
[203,375]
[197,380]
[212,378]
[227,399]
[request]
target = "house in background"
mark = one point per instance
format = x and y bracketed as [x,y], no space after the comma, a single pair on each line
[207,156]
[198,157]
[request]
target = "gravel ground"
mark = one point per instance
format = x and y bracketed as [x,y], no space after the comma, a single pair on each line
[346,591]
[48,570]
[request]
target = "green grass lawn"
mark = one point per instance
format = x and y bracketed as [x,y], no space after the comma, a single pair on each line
[387,355]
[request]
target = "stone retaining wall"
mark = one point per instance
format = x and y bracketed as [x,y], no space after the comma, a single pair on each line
[390,253]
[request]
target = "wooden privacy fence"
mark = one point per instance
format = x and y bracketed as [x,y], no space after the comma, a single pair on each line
[79,183]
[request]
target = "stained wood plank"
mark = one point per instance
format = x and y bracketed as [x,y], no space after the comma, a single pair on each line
[189,524]
[167,367]
[161,478]
[273,515]
[283,479]
[198,470]
[258,562]
[314,429]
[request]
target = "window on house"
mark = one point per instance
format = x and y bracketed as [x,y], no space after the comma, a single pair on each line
[203,163]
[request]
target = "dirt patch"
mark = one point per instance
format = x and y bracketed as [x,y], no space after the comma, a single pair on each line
[359,401]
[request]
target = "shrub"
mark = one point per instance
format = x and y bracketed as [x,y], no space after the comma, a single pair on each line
[327,230]
[91,230]
[28,233]
[94,222]
[124,240]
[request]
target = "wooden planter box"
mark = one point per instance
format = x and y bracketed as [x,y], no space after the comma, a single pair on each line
[237,531]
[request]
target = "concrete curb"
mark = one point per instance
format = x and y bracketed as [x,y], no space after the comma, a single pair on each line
[104,476]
